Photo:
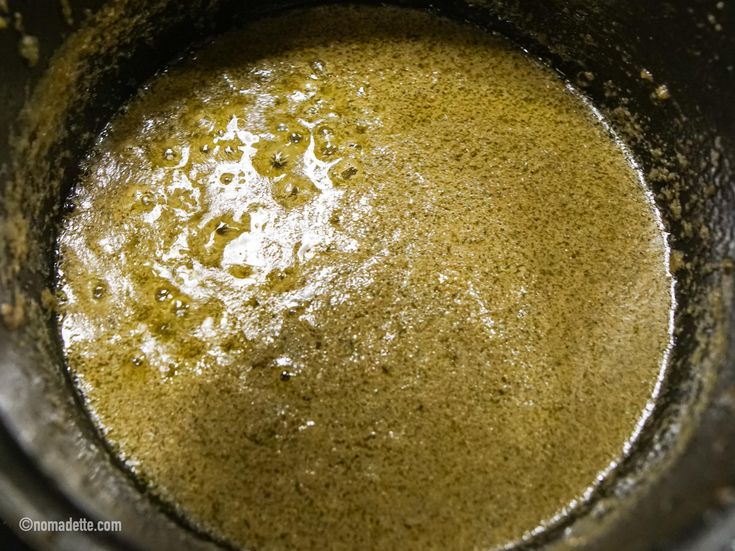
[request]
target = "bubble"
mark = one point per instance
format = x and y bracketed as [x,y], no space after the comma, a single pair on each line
[227,178]
[163,294]
[201,147]
[325,131]
[140,198]
[295,143]
[166,154]
[269,160]
[326,145]
[345,172]
[137,361]
[293,191]
[286,375]
[147,198]
[279,160]
[318,66]
[207,244]
[328,150]
[162,329]
[99,290]
[180,308]
[229,150]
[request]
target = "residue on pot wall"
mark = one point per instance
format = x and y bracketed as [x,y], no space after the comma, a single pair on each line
[28,45]
[67,11]
[29,49]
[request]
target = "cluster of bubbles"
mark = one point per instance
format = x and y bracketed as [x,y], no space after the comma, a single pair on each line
[290,147]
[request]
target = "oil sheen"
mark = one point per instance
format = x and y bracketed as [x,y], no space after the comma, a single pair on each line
[363,278]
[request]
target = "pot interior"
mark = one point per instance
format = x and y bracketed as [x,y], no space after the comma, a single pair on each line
[665,97]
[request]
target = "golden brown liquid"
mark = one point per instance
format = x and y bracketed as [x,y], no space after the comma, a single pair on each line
[362,278]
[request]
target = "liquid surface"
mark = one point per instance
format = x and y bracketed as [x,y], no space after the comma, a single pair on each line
[363,278]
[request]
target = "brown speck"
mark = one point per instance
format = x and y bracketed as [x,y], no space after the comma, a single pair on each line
[349,172]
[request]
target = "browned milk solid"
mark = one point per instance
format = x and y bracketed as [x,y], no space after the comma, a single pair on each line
[363,278]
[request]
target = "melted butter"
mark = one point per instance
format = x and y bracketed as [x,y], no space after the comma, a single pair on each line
[361,277]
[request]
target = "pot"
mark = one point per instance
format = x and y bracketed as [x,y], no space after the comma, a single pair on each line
[660,72]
